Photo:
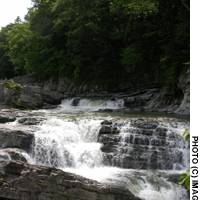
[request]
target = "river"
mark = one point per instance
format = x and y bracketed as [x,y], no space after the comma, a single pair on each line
[68,139]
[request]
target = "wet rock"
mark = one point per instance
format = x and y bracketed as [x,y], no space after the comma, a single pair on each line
[30,120]
[143,144]
[173,178]
[49,106]
[6,118]
[75,101]
[15,139]
[106,129]
[158,142]
[12,154]
[4,155]
[134,102]
[109,148]
[146,132]
[21,181]
[145,124]
[105,138]
[106,122]
[160,131]
[105,110]
[141,141]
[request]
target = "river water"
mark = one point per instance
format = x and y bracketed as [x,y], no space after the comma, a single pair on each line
[68,140]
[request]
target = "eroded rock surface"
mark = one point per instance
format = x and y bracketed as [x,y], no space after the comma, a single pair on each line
[20,181]
[5,118]
[28,96]
[15,139]
[13,154]
[141,144]
[30,120]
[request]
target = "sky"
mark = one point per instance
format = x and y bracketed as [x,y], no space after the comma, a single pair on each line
[11,9]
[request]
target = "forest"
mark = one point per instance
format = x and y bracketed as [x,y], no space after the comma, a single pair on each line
[103,42]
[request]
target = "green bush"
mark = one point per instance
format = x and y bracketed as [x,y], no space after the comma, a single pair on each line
[186,135]
[12,85]
[184,180]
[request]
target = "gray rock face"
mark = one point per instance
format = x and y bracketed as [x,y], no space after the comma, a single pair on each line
[184,84]
[36,97]
[45,94]
[12,154]
[75,102]
[162,100]
[6,118]
[30,120]
[141,144]
[145,124]
[29,96]
[108,129]
[153,100]
[15,139]
[19,181]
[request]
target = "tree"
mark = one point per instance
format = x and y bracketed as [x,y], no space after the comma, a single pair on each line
[18,39]
[105,42]
[6,67]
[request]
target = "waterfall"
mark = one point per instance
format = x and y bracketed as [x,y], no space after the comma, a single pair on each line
[70,141]
[175,155]
[76,105]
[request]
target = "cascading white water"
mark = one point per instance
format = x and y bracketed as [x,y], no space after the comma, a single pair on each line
[69,142]
[176,143]
[89,105]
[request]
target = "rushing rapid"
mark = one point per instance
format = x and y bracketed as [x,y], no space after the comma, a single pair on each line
[69,140]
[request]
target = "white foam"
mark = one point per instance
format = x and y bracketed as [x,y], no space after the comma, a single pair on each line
[86,105]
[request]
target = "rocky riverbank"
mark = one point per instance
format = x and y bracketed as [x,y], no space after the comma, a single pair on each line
[27,93]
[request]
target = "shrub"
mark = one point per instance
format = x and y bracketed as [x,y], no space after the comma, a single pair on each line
[12,85]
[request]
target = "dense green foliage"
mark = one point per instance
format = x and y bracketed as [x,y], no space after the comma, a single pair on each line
[104,42]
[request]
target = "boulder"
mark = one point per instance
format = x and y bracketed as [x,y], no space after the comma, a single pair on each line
[6,118]
[108,128]
[29,120]
[15,139]
[106,122]
[75,101]
[27,95]
[12,154]
[20,181]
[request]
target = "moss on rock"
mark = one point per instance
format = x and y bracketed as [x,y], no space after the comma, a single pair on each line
[12,85]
